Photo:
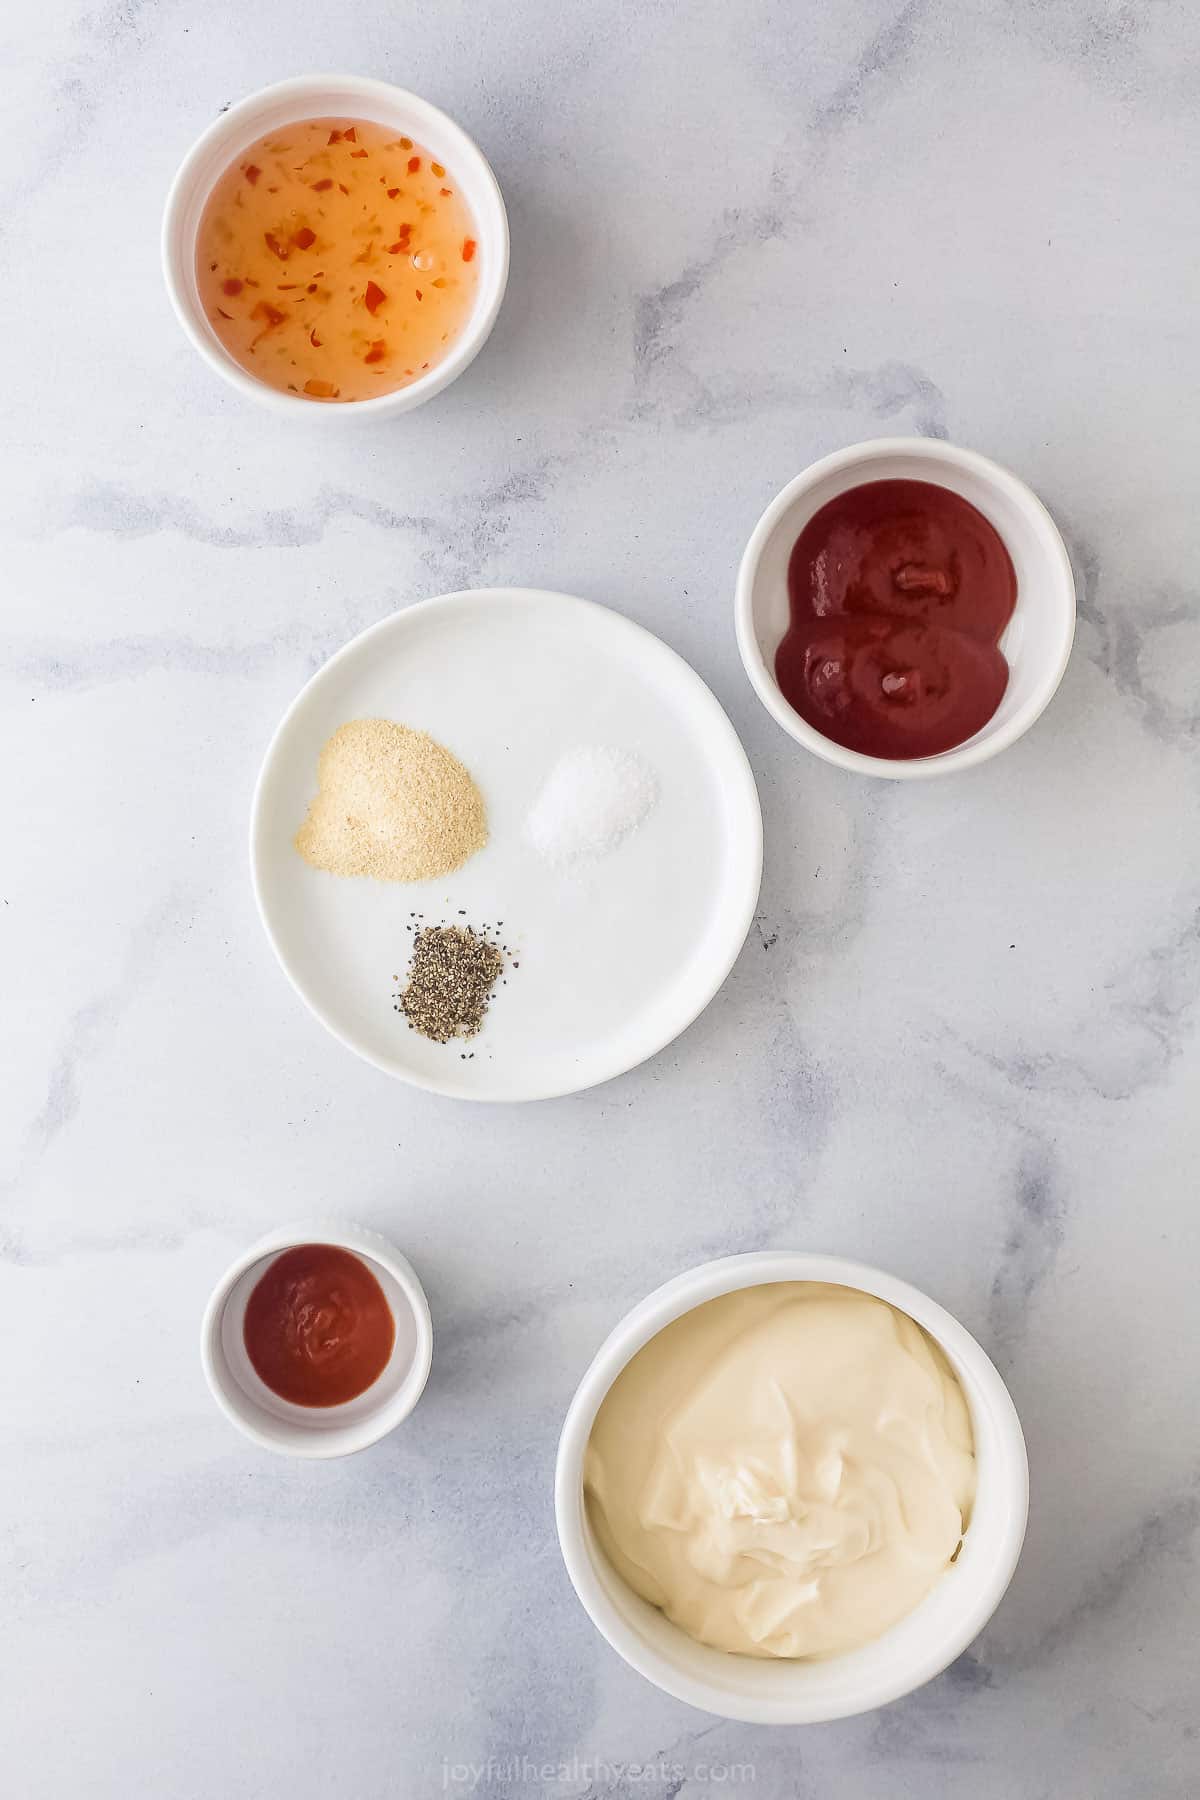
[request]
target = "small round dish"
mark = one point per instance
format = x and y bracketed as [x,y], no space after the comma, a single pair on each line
[771,1691]
[321,96]
[611,960]
[1036,643]
[317,1431]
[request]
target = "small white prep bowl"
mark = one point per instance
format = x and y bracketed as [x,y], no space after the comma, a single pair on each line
[774,1691]
[334,96]
[317,1431]
[1036,643]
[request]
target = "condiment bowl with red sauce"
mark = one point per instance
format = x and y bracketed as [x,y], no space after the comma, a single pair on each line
[317,1341]
[905,608]
[346,283]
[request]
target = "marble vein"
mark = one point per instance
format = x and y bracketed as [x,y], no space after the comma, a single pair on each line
[463,539]
[88,1035]
[1147,1000]
[886,52]
[1124,636]
[661,313]
[79,84]
[1165,1536]
[1035,1237]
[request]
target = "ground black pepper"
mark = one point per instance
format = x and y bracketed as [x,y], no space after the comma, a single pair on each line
[450,980]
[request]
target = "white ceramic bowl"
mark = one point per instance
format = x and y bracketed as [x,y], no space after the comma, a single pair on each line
[334,96]
[317,1431]
[775,1691]
[1036,643]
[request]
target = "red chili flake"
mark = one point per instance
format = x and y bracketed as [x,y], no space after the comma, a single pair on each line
[224,314]
[212,268]
[321,390]
[392,192]
[286,287]
[304,239]
[406,143]
[271,315]
[313,339]
[437,169]
[414,163]
[319,187]
[355,153]
[352,135]
[335,137]
[401,246]
[311,288]
[445,190]
[418,293]
[343,187]
[232,286]
[275,247]
[468,249]
[374,297]
[377,352]
[252,173]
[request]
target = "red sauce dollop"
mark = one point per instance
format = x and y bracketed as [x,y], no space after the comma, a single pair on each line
[900,592]
[318,1328]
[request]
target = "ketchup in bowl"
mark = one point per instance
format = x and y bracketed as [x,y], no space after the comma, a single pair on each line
[900,592]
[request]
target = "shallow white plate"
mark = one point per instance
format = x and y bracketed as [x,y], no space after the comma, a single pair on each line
[615,959]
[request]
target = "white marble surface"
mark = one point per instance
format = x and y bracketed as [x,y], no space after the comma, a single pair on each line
[961,1042]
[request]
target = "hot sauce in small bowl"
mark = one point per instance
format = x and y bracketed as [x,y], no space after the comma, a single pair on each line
[334,246]
[317,1340]
[318,1328]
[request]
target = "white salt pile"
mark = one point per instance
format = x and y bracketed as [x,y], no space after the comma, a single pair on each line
[591,801]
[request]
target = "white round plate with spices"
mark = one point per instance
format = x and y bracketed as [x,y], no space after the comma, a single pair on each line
[607,957]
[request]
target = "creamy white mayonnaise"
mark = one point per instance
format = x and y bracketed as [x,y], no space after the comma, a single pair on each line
[785,1471]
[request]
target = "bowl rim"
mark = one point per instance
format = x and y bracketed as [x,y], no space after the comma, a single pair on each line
[367,89]
[938,453]
[293,1438]
[681,1294]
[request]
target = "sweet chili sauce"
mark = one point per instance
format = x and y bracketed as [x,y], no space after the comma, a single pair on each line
[318,1329]
[900,592]
[337,260]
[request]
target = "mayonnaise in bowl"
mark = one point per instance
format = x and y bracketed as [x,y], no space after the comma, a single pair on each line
[785,1471]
